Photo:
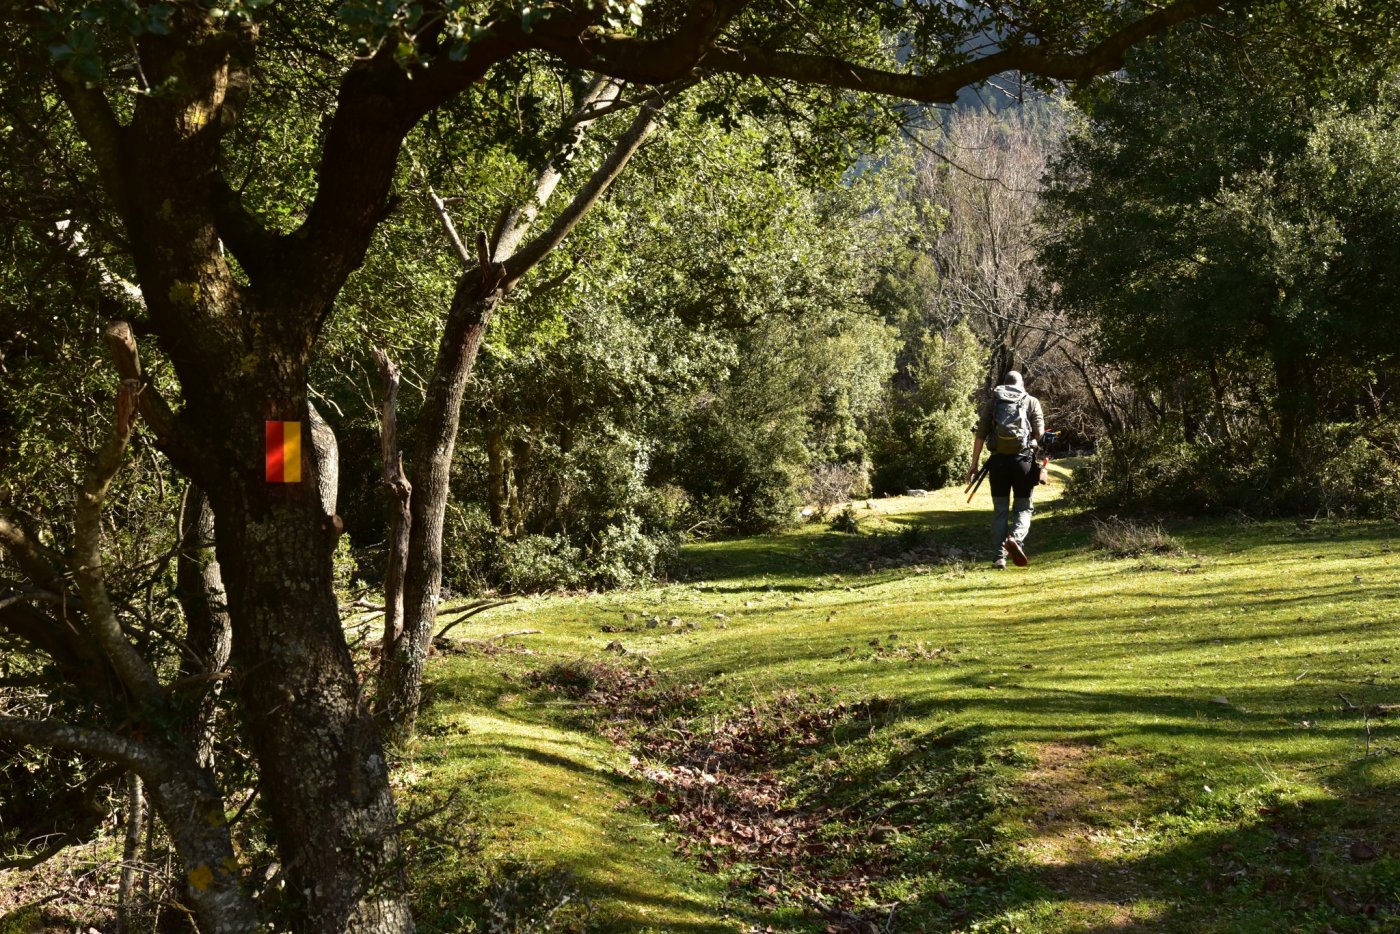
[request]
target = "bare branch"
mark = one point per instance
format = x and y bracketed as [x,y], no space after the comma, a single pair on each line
[440,208]
[71,237]
[87,554]
[516,223]
[121,341]
[588,196]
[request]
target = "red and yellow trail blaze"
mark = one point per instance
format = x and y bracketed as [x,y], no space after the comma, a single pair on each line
[283,452]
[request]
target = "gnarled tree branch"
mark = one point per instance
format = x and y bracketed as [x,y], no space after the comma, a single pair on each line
[102,622]
[607,172]
[55,734]
[157,414]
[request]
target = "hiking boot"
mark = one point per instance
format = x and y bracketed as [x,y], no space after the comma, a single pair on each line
[999,564]
[1018,554]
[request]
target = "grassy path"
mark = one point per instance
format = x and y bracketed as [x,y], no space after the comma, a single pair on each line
[1181,759]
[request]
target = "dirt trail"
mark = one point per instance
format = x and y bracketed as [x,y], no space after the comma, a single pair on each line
[1068,806]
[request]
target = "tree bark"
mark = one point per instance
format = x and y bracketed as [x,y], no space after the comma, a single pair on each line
[398,492]
[135,820]
[191,807]
[496,496]
[1294,404]
[327,453]
[208,630]
[479,292]
[323,776]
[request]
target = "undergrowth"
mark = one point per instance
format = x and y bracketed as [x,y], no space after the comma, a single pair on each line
[1126,538]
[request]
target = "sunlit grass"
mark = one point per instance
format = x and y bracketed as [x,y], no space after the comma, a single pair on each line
[1206,689]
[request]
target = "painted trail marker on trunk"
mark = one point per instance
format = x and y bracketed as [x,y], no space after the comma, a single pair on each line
[283,452]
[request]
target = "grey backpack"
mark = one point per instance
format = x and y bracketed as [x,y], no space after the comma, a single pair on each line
[1011,430]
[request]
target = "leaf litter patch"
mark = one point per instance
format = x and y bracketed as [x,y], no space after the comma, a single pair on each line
[615,696]
[891,649]
[811,807]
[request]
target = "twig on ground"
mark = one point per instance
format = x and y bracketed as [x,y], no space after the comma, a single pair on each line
[470,610]
[505,635]
[855,922]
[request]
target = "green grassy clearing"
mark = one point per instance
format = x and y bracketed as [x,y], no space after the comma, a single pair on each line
[1121,792]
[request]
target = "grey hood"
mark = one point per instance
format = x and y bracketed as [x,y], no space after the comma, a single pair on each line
[1009,393]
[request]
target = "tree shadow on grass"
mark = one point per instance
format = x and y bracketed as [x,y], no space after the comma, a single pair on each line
[789,562]
[1284,867]
[561,804]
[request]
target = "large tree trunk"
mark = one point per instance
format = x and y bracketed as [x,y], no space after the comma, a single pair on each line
[324,780]
[241,344]
[329,797]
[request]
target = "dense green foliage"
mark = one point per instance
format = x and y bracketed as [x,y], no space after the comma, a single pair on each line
[1220,237]
[708,341]
[922,432]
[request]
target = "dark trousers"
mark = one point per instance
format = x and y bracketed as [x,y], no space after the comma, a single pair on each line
[1007,473]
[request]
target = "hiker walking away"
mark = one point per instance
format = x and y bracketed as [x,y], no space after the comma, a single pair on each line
[1008,426]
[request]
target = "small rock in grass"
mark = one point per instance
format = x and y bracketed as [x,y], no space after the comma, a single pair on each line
[616,647]
[675,621]
[1362,852]
[653,622]
[721,616]
[1220,701]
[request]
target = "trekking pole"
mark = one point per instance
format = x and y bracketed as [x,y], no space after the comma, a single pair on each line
[1046,440]
[977,481]
[975,478]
